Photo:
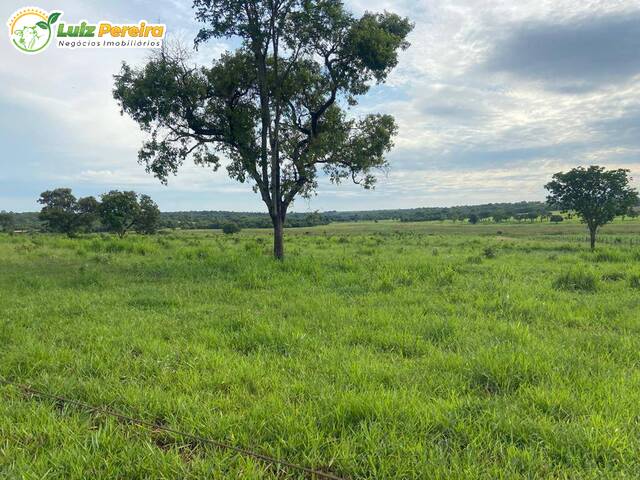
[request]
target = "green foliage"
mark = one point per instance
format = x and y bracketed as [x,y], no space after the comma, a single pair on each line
[579,280]
[230,228]
[63,213]
[119,211]
[7,221]
[123,211]
[148,220]
[597,195]
[215,219]
[489,252]
[278,107]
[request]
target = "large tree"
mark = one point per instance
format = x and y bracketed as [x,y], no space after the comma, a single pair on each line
[277,107]
[597,195]
[63,213]
[119,211]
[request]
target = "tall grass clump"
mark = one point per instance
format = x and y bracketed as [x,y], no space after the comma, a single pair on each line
[606,256]
[576,280]
[613,276]
[634,281]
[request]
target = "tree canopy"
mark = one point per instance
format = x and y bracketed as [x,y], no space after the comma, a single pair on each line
[63,213]
[148,220]
[123,211]
[597,195]
[278,107]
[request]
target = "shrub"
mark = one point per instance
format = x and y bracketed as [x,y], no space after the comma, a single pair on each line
[231,228]
[489,252]
[577,280]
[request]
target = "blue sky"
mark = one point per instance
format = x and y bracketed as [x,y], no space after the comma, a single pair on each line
[493,97]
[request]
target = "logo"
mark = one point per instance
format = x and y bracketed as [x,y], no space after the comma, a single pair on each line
[32,29]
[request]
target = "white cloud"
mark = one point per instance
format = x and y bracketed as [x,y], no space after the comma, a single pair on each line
[466,132]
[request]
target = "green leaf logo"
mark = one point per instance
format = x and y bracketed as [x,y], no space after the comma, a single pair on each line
[30,29]
[53,17]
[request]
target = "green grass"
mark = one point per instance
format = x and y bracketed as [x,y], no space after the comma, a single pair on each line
[373,351]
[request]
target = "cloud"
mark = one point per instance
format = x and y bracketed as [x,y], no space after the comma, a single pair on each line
[572,56]
[493,97]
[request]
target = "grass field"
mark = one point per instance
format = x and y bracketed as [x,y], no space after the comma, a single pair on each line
[374,351]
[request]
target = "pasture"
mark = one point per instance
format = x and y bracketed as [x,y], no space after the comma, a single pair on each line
[373,351]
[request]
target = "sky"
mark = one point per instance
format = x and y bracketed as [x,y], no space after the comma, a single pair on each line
[492,98]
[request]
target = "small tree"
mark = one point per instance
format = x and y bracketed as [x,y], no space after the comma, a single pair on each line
[595,194]
[278,107]
[63,213]
[149,217]
[119,211]
[7,221]
[473,219]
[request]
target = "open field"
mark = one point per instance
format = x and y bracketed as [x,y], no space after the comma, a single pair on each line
[374,351]
[627,232]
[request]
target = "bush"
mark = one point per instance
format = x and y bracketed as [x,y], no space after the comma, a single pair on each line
[556,218]
[577,280]
[489,252]
[230,228]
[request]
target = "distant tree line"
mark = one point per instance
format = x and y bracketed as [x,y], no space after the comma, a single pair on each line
[203,220]
[218,219]
[522,211]
[196,220]
[491,212]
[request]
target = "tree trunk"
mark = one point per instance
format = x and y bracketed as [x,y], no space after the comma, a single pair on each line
[278,237]
[592,232]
